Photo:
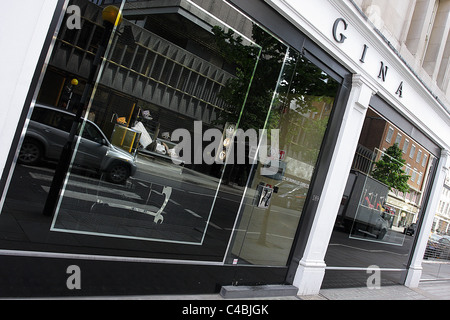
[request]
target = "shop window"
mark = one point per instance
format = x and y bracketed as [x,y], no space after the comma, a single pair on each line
[170,94]
[274,203]
[381,203]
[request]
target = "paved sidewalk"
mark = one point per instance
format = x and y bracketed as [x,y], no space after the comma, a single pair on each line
[426,291]
[433,290]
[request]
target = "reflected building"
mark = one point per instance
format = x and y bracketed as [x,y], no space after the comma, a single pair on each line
[380,134]
[308,94]
[174,72]
[441,223]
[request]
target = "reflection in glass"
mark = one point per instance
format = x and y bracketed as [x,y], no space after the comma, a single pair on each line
[146,190]
[125,183]
[381,206]
[300,110]
[373,218]
[130,191]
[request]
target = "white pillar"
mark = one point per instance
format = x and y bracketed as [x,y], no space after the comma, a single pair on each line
[24,26]
[415,270]
[437,41]
[311,269]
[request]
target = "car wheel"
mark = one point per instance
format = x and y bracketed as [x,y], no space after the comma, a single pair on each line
[118,173]
[382,234]
[30,152]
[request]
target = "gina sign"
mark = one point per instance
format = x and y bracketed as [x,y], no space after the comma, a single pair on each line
[339,35]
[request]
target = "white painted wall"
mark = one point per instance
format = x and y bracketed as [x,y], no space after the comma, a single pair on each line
[24,25]
[316,19]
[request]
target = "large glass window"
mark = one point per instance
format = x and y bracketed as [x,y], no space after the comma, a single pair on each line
[380,212]
[274,201]
[198,140]
[165,191]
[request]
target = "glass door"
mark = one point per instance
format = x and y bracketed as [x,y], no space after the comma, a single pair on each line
[287,159]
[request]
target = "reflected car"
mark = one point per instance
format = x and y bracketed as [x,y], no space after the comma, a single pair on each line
[48,132]
[290,195]
[438,247]
[367,221]
[411,229]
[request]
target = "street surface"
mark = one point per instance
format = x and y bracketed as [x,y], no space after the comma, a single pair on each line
[162,202]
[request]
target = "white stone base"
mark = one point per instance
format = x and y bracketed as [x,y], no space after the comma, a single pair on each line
[413,277]
[308,278]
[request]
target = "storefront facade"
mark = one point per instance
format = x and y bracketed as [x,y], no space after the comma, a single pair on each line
[291,83]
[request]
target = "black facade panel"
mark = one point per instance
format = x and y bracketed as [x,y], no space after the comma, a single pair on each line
[48,277]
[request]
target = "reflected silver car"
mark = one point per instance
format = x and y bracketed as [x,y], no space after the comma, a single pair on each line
[48,132]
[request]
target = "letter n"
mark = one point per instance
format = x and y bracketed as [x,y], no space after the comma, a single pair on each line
[383,72]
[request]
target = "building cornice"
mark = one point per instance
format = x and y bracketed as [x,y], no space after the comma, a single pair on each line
[316,18]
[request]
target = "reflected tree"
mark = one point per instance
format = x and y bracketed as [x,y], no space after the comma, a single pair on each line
[300,89]
[257,69]
[389,169]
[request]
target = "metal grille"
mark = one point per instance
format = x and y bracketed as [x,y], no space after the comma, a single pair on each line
[438,248]
[436,263]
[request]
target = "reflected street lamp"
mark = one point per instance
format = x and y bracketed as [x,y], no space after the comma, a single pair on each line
[111,17]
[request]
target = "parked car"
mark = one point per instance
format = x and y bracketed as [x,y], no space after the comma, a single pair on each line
[438,247]
[48,132]
[290,195]
[411,229]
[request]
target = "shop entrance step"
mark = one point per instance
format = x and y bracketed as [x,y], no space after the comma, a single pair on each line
[266,291]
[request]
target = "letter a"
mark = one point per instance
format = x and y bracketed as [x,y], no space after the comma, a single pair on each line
[374,281]
[74,281]
[400,90]
[74,21]
[184,146]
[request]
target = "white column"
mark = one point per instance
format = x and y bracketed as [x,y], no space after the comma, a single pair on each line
[418,32]
[311,269]
[24,26]
[415,270]
[27,23]
[438,40]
